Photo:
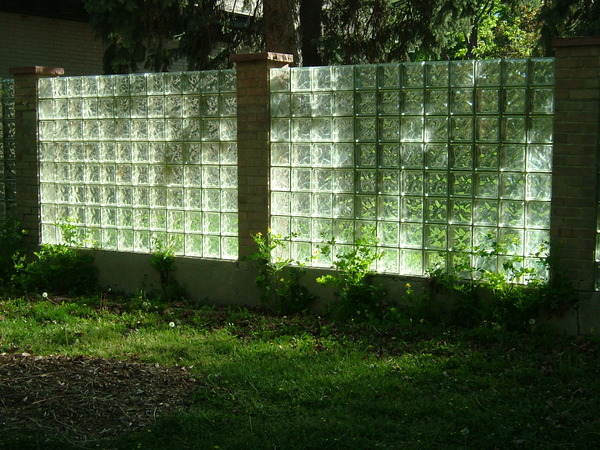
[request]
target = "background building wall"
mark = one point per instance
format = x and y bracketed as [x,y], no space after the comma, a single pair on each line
[38,41]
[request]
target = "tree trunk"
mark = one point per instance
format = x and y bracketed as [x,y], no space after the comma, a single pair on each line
[280,31]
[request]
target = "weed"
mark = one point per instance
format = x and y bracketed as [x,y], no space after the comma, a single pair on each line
[163,260]
[11,243]
[279,278]
[358,297]
[58,268]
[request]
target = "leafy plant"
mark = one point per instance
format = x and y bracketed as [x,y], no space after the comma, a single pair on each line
[58,268]
[512,297]
[358,297]
[11,243]
[279,277]
[163,260]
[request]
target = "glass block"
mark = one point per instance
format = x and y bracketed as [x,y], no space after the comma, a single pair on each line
[436,156]
[487,128]
[321,154]
[322,205]
[461,184]
[302,228]
[175,198]
[141,241]
[437,73]
[301,179]
[514,72]
[366,103]
[109,239]
[321,104]
[462,73]
[436,210]
[343,129]
[141,196]
[461,129]
[342,77]
[412,156]
[343,205]
[229,248]
[176,220]
[485,212]
[343,103]
[436,101]
[280,179]
[488,72]
[514,129]
[280,203]
[436,183]
[412,209]
[158,219]
[512,185]
[139,130]
[542,101]
[411,262]
[388,208]
[280,154]
[512,157]
[435,237]
[389,156]
[365,77]
[124,218]
[413,102]
[211,200]
[513,241]
[322,229]
[461,211]
[461,101]
[343,181]
[389,261]
[322,180]
[542,71]
[367,181]
[436,129]
[488,101]
[389,102]
[459,238]
[536,241]
[512,213]
[279,79]
[141,218]
[389,76]
[389,129]
[389,182]
[227,80]
[539,158]
[487,157]
[486,185]
[300,79]
[538,215]
[301,204]
[320,130]
[541,130]
[515,101]
[411,235]
[539,186]
[411,129]
[280,105]
[343,231]
[301,155]
[388,234]
[280,130]
[366,129]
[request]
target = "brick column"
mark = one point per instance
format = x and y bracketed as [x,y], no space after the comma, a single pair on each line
[26,148]
[575,159]
[253,119]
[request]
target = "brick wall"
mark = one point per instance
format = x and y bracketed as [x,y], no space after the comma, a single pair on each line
[575,159]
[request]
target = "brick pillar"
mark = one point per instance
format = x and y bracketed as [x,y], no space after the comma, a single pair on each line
[575,159]
[253,119]
[26,148]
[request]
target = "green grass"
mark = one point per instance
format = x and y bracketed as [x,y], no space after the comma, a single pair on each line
[303,382]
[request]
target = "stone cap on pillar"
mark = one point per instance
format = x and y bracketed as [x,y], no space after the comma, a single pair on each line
[266,56]
[38,70]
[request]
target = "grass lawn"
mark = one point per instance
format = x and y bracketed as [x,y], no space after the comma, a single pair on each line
[304,382]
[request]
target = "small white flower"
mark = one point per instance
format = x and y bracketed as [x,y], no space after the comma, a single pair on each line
[172,324]
[45,295]
[531,321]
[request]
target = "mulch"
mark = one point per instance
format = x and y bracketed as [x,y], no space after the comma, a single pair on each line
[84,398]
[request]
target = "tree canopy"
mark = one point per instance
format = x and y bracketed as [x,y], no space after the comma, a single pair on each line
[153,34]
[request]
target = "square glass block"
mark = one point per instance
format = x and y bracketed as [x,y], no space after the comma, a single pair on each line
[487,72]
[342,78]
[300,79]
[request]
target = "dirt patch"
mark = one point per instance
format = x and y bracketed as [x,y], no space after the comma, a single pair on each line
[85,398]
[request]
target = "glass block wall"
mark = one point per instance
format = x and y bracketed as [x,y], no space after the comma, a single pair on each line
[7,148]
[136,159]
[432,157]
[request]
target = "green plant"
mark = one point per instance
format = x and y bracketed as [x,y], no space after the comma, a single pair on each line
[279,278]
[358,297]
[58,268]
[503,290]
[163,260]
[11,243]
